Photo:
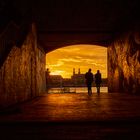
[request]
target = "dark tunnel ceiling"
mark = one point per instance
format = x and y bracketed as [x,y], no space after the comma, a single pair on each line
[72,16]
[85,15]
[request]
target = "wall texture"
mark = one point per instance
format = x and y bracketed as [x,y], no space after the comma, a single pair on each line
[22,75]
[124,63]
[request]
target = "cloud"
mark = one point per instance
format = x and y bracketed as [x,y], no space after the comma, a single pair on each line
[78,57]
[58,64]
[70,60]
[69,49]
[97,64]
[65,59]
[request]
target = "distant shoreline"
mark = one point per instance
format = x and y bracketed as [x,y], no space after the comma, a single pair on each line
[74,86]
[74,89]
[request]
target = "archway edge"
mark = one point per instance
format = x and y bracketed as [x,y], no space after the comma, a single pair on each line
[52,41]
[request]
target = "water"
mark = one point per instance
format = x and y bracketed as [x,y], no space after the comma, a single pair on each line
[76,90]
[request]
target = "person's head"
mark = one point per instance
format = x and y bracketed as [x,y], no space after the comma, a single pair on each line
[98,71]
[89,70]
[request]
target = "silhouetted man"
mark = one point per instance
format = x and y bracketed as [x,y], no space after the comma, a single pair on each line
[89,81]
[98,80]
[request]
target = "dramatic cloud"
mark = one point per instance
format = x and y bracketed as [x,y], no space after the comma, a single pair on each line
[70,60]
[58,64]
[63,60]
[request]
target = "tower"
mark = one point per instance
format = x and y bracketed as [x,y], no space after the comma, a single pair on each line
[73,71]
[79,71]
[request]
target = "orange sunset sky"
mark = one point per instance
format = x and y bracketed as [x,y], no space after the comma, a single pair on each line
[63,60]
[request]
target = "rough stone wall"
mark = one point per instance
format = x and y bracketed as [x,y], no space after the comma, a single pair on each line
[124,63]
[22,74]
[41,75]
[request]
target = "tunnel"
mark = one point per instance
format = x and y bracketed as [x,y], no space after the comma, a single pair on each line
[27,36]
[31,29]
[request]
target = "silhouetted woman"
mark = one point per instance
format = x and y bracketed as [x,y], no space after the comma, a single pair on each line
[98,80]
[89,81]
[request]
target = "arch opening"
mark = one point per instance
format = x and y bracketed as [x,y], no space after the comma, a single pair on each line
[65,62]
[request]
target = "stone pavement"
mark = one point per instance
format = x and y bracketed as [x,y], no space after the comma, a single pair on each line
[78,107]
[75,116]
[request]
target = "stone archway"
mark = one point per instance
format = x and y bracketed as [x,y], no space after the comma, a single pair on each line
[61,63]
[123,56]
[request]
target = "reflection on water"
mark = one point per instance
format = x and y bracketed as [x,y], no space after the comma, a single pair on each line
[76,90]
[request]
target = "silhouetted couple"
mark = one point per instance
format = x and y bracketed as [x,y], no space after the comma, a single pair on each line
[89,81]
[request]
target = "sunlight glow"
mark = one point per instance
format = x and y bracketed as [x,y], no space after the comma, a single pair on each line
[63,60]
[57,72]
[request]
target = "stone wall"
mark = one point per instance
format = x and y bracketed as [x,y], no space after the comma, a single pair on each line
[41,72]
[124,63]
[22,75]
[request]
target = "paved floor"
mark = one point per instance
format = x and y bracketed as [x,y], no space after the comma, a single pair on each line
[78,107]
[74,116]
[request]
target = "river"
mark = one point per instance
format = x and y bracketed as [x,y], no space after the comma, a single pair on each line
[76,90]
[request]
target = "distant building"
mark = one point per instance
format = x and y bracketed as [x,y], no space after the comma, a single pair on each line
[56,80]
[78,79]
[67,82]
